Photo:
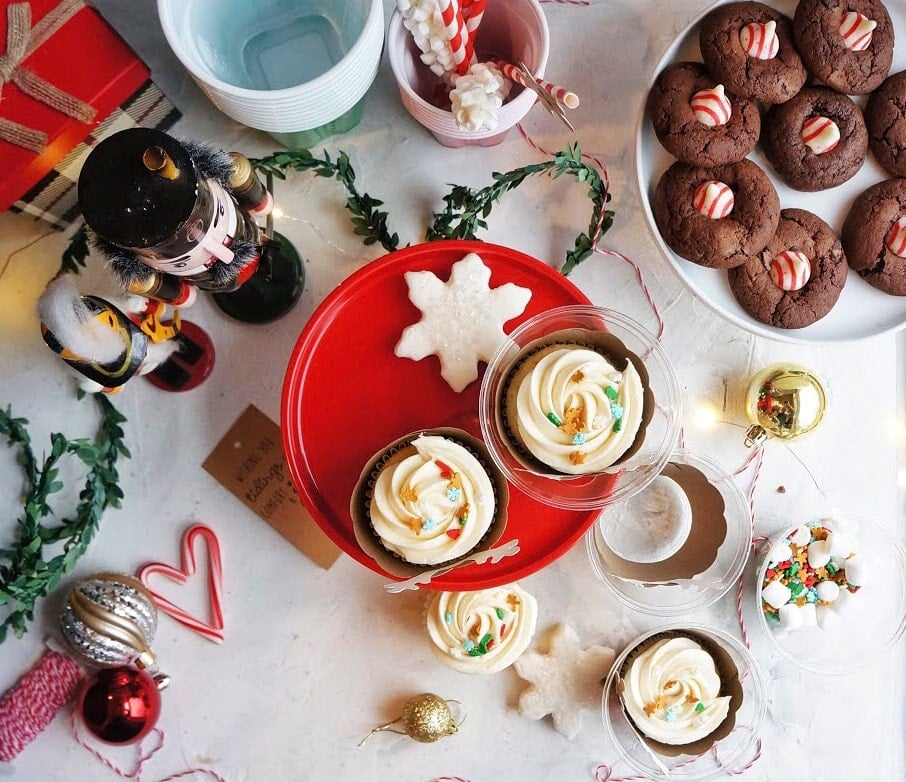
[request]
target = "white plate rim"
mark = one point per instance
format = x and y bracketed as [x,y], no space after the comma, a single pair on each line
[679,265]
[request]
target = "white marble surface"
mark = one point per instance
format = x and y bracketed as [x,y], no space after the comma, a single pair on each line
[313,659]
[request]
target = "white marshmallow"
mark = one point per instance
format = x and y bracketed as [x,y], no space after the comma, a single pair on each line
[801,536]
[828,591]
[818,554]
[856,570]
[780,552]
[809,615]
[828,617]
[776,594]
[839,544]
[790,616]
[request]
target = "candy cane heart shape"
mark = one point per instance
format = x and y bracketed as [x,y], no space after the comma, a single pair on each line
[213,629]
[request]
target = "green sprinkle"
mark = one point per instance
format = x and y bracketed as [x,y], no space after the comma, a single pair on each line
[552,417]
[794,568]
[830,568]
[611,392]
[618,424]
[700,707]
[475,653]
[796,589]
[500,613]
[483,643]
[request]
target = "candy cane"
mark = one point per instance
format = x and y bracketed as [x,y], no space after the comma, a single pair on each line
[213,630]
[457,34]
[564,96]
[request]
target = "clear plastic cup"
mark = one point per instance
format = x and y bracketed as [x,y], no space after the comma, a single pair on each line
[865,623]
[595,490]
[649,591]
[512,30]
[298,69]
[727,756]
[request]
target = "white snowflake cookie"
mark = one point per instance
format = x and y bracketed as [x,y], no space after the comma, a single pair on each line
[462,319]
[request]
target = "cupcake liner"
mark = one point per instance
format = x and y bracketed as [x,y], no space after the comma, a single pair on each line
[729,685]
[602,342]
[391,562]
[699,552]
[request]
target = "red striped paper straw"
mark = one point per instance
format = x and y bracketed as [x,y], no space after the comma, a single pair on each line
[561,94]
[473,17]
[457,34]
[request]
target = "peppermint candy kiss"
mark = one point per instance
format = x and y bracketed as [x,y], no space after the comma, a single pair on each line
[790,270]
[711,107]
[820,134]
[856,30]
[713,199]
[760,40]
[896,238]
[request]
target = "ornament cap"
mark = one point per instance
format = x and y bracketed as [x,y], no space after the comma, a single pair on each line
[755,435]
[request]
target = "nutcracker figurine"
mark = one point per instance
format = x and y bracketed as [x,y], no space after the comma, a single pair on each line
[170,215]
[109,342]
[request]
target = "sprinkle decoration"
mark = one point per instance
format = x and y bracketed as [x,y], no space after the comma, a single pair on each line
[713,199]
[711,107]
[554,418]
[896,238]
[611,393]
[213,629]
[790,270]
[760,40]
[857,31]
[795,582]
[820,134]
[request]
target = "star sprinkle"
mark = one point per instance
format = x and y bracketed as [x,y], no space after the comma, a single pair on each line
[462,319]
[565,682]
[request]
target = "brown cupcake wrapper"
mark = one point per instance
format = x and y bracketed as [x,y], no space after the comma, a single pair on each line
[729,685]
[371,543]
[605,344]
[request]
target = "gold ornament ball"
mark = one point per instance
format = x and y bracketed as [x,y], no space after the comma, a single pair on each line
[785,401]
[427,718]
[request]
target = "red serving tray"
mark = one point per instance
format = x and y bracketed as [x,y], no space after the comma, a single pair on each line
[346,395]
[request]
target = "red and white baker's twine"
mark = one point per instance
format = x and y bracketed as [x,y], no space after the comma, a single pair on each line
[756,457]
[604,772]
[29,707]
[143,758]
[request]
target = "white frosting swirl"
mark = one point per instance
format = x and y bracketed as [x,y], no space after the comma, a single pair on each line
[435,505]
[672,692]
[577,413]
[483,631]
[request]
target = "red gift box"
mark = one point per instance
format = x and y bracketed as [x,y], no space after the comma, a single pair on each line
[82,56]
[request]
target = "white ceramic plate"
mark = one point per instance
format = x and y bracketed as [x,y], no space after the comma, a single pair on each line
[861,311]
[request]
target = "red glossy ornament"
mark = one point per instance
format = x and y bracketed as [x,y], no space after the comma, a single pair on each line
[119,705]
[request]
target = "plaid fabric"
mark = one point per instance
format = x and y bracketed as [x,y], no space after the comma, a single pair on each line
[55,199]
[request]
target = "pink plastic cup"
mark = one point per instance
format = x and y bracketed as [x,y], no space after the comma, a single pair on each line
[511,30]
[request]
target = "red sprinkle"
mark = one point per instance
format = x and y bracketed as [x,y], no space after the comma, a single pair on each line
[454,533]
[445,471]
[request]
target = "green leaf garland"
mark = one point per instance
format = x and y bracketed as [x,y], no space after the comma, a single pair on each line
[26,575]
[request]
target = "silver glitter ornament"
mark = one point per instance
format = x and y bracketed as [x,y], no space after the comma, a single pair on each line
[109,620]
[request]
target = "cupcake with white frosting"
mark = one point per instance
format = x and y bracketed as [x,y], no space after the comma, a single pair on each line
[483,631]
[573,406]
[673,690]
[429,499]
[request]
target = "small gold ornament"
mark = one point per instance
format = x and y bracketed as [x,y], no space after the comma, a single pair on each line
[785,401]
[426,718]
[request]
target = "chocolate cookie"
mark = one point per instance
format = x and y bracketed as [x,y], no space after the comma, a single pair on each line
[847,44]
[874,236]
[885,118]
[696,121]
[797,278]
[749,48]
[716,217]
[816,140]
